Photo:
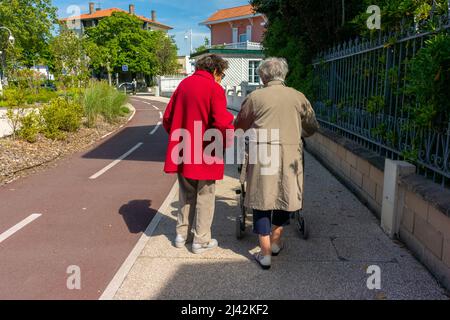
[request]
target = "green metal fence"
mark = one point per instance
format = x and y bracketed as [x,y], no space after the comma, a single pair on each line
[360,94]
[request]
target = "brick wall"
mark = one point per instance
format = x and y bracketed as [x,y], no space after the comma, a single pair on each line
[425,224]
[424,206]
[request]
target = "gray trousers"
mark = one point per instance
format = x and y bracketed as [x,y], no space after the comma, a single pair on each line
[196,213]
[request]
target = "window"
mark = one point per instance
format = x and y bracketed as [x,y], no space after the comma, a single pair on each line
[253,77]
[243,37]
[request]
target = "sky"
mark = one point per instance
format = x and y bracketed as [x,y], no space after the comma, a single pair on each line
[182,15]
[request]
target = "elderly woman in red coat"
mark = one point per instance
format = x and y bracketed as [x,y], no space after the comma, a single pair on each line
[198,106]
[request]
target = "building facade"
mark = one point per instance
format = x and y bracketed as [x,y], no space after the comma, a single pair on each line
[91,19]
[236,35]
[236,25]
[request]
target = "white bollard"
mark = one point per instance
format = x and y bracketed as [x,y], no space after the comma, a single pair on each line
[391,209]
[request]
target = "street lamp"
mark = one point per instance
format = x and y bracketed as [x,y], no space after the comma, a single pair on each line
[188,35]
[11,41]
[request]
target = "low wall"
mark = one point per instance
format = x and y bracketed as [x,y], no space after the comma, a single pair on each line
[5,128]
[423,207]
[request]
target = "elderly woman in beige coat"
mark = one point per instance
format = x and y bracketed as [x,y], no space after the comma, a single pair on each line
[280,116]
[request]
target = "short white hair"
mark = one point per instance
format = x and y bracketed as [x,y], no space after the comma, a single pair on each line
[273,69]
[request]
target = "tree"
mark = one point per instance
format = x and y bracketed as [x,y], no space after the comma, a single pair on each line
[31,22]
[70,62]
[299,29]
[203,47]
[166,52]
[120,40]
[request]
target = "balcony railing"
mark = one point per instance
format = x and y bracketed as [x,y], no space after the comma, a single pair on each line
[247,45]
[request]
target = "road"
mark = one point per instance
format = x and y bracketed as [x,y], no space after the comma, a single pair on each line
[85,214]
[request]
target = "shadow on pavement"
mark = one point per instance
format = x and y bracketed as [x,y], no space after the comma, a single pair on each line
[137,215]
[153,148]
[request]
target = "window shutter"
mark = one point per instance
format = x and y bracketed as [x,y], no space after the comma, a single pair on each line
[249,33]
[235,35]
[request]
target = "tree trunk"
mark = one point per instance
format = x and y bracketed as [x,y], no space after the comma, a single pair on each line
[108,68]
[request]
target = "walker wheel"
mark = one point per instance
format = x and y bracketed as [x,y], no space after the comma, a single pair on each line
[302,227]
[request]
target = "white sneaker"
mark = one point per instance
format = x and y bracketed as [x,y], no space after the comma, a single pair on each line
[201,248]
[265,262]
[180,242]
[276,250]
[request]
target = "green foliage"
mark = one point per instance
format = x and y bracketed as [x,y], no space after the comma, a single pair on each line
[299,29]
[71,65]
[428,84]
[101,99]
[60,116]
[15,97]
[30,126]
[203,47]
[398,13]
[120,40]
[166,53]
[375,104]
[31,22]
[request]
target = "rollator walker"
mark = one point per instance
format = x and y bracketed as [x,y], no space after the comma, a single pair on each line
[244,212]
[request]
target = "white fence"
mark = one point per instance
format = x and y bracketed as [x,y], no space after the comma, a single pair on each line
[237,94]
[168,84]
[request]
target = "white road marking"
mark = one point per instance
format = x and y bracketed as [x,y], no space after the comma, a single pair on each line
[156,128]
[120,276]
[116,162]
[156,108]
[160,115]
[5,235]
[132,115]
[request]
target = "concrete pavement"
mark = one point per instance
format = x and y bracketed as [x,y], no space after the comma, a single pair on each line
[345,239]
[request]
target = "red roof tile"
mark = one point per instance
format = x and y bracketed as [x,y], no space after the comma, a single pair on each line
[108,12]
[230,13]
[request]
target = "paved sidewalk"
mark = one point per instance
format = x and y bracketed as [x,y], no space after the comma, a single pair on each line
[345,240]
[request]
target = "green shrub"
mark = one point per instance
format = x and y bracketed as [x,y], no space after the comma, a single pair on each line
[101,99]
[14,96]
[31,126]
[428,86]
[60,116]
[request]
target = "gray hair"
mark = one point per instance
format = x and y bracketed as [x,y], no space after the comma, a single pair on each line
[273,69]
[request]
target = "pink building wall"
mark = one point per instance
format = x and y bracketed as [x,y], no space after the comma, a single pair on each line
[223,32]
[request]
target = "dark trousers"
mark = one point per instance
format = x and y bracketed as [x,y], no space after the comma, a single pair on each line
[263,220]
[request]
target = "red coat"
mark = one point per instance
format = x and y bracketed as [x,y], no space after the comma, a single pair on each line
[198,99]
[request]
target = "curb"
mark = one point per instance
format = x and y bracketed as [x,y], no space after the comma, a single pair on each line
[133,109]
[129,262]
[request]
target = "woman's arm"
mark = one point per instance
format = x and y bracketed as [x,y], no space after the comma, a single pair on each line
[309,121]
[245,118]
[221,118]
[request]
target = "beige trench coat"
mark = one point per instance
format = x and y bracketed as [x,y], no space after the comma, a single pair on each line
[277,107]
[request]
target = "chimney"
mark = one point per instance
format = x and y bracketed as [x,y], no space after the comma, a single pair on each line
[131,8]
[91,7]
[153,15]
